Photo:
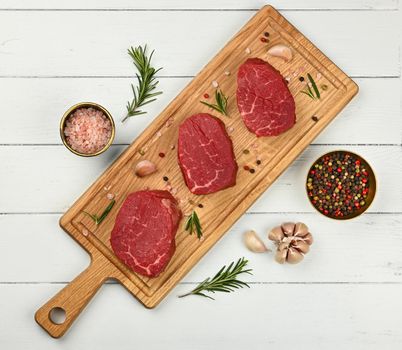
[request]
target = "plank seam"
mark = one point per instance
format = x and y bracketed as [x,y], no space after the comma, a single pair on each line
[391,9]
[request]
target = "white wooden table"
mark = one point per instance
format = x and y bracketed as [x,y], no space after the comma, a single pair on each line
[347,294]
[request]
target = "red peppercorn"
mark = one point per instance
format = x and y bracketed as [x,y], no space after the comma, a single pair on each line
[206,95]
[246,167]
[161,154]
[264,40]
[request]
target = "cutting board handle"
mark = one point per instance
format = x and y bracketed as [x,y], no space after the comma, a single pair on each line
[74,297]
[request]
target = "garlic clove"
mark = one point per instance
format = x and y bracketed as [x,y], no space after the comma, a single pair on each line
[294,256]
[144,168]
[301,229]
[276,234]
[308,239]
[288,228]
[281,51]
[254,243]
[302,246]
[283,246]
[280,256]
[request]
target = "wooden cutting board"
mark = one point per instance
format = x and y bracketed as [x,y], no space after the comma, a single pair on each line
[222,209]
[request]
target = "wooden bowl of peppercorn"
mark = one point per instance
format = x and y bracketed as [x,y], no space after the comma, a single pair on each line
[341,185]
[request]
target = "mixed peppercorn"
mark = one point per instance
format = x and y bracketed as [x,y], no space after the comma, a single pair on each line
[338,184]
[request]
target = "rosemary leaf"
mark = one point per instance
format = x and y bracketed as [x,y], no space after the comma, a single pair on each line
[308,94]
[317,92]
[106,211]
[193,224]
[144,92]
[224,281]
[98,220]
[312,93]
[221,102]
[93,217]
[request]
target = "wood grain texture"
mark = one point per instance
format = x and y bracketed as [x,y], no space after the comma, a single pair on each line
[358,124]
[370,246]
[350,299]
[97,43]
[352,316]
[36,173]
[277,153]
[75,296]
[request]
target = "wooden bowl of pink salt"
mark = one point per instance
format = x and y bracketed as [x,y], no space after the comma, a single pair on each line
[87,129]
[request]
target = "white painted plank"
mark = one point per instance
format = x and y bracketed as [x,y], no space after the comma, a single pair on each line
[363,43]
[359,317]
[358,123]
[192,4]
[49,178]
[368,249]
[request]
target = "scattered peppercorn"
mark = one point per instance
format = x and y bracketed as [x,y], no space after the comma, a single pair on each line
[266,34]
[200,206]
[161,154]
[338,184]
[258,162]
[165,178]
[246,167]
[315,118]
[252,171]
[301,78]
[246,151]
[264,40]
[206,95]
[324,87]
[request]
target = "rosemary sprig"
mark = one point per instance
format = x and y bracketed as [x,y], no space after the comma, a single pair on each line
[315,93]
[193,224]
[99,219]
[221,102]
[224,281]
[144,92]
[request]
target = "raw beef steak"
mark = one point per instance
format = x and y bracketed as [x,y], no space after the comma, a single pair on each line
[263,98]
[144,233]
[206,155]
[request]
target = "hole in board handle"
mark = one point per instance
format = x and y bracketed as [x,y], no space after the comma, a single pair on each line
[57,315]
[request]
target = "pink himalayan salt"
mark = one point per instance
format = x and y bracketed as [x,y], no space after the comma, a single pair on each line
[87,130]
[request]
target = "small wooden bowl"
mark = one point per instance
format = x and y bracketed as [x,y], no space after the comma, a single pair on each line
[371,193]
[70,111]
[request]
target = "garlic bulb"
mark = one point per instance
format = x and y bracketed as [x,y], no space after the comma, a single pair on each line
[292,240]
[254,243]
[281,51]
[144,168]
